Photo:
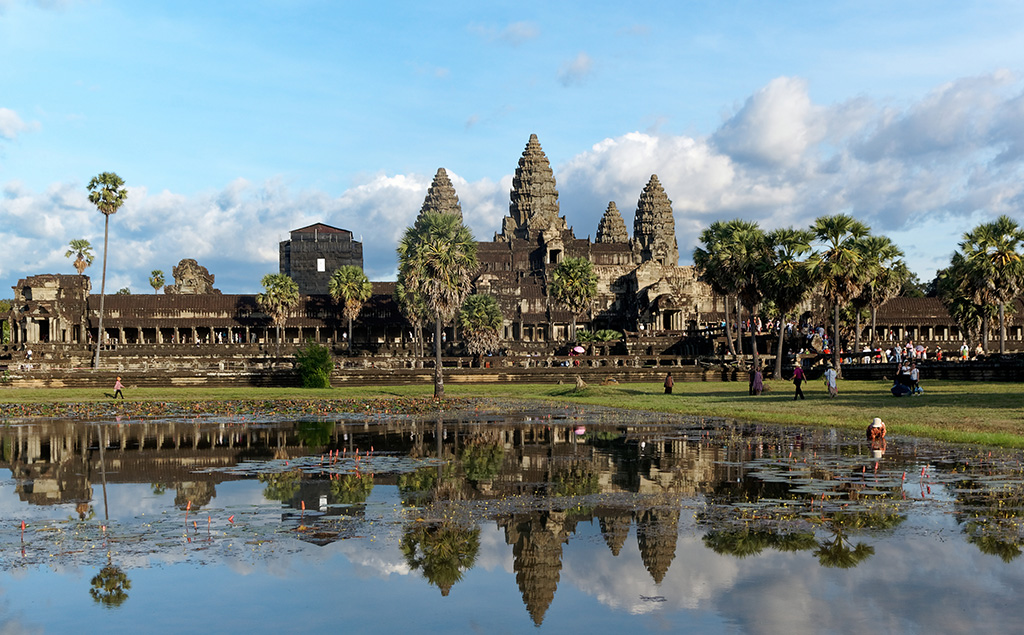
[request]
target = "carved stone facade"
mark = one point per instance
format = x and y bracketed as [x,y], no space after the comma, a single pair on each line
[654,226]
[612,229]
[641,287]
[314,252]
[190,278]
[441,197]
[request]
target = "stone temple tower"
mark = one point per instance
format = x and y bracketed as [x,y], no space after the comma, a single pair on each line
[612,229]
[533,209]
[441,196]
[654,227]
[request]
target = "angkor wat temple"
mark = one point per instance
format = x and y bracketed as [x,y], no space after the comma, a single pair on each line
[642,290]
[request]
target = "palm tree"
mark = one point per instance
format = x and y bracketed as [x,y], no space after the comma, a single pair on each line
[109,586]
[713,265]
[481,319]
[788,279]
[952,285]
[996,266]
[413,308]
[751,255]
[837,267]
[82,251]
[437,258]
[280,295]
[884,275]
[349,284]
[574,284]
[156,280]
[107,193]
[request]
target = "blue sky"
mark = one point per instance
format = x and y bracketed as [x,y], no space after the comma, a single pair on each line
[234,122]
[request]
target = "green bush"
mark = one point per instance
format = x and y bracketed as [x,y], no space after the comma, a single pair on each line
[315,365]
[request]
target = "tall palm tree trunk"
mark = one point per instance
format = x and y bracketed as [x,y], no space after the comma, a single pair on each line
[1002,328]
[739,326]
[277,346]
[103,290]
[835,339]
[874,326]
[728,328]
[438,375]
[779,351]
[856,335]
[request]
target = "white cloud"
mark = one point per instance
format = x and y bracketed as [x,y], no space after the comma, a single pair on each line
[922,173]
[576,70]
[11,124]
[775,127]
[514,34]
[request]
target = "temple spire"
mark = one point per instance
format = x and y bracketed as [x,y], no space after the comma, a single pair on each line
[441,197]
[533,206]
[612,229]
[654,227]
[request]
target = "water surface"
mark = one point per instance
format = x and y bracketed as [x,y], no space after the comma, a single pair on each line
[504,518]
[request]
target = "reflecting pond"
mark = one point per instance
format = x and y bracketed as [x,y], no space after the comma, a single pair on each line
[501,518]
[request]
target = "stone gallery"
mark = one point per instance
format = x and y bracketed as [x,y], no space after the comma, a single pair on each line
[642,290]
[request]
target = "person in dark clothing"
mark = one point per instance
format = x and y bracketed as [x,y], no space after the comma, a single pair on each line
[798,379]
[669,382]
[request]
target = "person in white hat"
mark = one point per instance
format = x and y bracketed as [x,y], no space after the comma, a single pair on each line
[876,431]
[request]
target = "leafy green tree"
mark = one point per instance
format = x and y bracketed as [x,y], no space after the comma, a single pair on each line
[481,320]
[839,553]
[884,275]
[751,258]
[437,259]
[108,194]
[351,489]
[281,486]
[837,267]
[156,280]
[414,309]
[952,287]
[995,266]
[574,285]
[314,363]
[280,295]
[718,267]
[442,552]
[5,323]
[787,280]
[81,250]
[124,291]
[109,586]
[350,286]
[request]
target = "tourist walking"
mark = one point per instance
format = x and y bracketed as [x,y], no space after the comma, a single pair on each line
[798,379]
[118,386]
[757,385]
[669,382]
[831,378]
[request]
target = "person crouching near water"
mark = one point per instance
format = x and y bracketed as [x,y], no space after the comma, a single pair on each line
[876,431]
[118,386]
[876,437]
[669,382]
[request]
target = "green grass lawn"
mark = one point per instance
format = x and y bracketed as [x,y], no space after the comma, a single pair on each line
[965,412]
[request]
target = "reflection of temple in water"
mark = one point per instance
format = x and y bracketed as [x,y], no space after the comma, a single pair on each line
[622,475]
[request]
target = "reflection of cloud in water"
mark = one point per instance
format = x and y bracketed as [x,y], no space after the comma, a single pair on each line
[622,582]
[911,583]
[494,553]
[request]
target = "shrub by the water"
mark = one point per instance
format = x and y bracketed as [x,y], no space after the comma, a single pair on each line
[315,365]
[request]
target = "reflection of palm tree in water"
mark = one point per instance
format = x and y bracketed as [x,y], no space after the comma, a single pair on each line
[443,552]
[109,586]
[840,553]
